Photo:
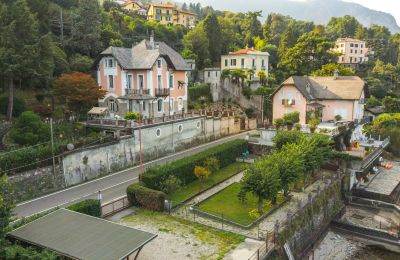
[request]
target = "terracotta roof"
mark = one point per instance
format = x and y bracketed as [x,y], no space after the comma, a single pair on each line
[242,51]
[323,88]
[163,5]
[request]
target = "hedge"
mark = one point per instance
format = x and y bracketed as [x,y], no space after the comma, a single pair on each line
[183,168]
[141,196]
[199,90]
[89,207]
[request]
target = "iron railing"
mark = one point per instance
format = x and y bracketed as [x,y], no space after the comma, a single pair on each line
[137,92]
[114,206]
[162,92]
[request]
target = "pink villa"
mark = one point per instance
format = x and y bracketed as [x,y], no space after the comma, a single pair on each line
[325,96]
[150,78]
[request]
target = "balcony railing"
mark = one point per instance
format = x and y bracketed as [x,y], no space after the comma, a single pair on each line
[162,92]
[137,92]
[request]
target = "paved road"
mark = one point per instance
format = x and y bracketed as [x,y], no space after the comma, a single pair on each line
[111,186]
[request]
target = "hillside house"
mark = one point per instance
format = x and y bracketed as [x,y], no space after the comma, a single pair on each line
[150,78]
[324,96]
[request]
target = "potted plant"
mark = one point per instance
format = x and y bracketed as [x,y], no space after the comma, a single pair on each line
[338,118]
[313,124]
[289,124]
[278,123]
[298,126]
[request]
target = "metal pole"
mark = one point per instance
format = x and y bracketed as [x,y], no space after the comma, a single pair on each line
[140,141]
[52,146]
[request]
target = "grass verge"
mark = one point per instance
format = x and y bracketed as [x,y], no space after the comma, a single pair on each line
[227,203]
[195,187]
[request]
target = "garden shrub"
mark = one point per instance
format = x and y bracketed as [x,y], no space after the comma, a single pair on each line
[144,197]
[211,164]
[30,130]
[294,117]
[171,184]
[89,207]
[198,91]
[285,137]
[183,169]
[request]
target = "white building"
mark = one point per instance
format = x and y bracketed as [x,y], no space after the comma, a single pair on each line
[352,51]
[246,59]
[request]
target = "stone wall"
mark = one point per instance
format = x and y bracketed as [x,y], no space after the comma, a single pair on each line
[157,140]
[34,183]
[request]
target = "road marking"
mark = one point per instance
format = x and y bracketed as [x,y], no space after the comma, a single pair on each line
[129,169]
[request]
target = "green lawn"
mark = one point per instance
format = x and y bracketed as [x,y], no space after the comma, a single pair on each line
[227,203]
[195,187]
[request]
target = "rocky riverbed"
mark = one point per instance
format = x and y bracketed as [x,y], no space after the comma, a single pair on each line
[338,247]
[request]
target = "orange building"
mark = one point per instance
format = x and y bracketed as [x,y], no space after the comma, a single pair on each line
[150,78]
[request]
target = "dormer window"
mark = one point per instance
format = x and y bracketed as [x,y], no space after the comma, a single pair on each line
[110,63]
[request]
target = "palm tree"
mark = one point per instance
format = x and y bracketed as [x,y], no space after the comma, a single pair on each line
[263,77]
[250,73]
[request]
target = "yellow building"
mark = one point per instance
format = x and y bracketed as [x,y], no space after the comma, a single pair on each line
[168,14]
[135,7]
[163,13]
[185,18]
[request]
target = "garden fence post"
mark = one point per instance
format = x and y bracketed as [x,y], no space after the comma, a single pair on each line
[222,221]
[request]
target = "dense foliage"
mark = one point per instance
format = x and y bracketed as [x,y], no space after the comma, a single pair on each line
[89,207]
[183,169]
[388,125]
[141,196]
[7,249]
[297,156]
[30,130]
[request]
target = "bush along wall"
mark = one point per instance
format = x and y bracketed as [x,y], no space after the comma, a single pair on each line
[141,196]
[183,168]
[199,91]
[89,207]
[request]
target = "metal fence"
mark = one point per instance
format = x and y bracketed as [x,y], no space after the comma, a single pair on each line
[114,206]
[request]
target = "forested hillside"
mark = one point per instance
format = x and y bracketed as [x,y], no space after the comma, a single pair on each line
[42,39]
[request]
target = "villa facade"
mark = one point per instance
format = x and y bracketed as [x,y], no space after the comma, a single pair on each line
[150,78]
[329,96]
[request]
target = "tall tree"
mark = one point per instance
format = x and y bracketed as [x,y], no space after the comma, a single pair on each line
[346,26]
[214,34]
[86,28]
[18,44]
[262,182]
[310,53]
[79,91]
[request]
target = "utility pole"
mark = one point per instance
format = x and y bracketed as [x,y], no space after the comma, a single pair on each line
[140,141]
[52,146]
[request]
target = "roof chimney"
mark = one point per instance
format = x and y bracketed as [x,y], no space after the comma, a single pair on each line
[152,39]
[336,74]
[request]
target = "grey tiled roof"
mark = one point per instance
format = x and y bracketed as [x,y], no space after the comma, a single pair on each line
[143,56]
[322,88]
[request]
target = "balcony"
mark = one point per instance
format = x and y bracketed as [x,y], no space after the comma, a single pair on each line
[137,92]
[162,92]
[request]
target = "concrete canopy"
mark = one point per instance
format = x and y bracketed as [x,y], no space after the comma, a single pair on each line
[80,236]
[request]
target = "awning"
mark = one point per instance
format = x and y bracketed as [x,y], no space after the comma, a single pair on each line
[80,236]
[98,111]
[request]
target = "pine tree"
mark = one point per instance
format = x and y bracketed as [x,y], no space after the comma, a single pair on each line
[19,46]
[213,31]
